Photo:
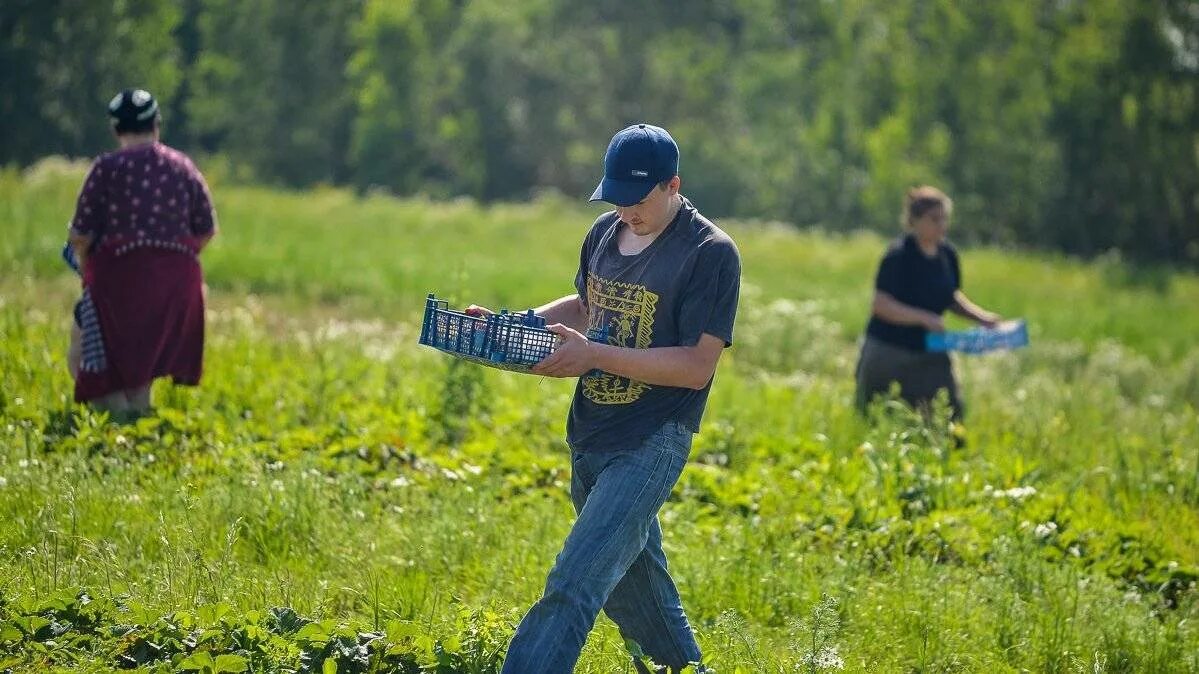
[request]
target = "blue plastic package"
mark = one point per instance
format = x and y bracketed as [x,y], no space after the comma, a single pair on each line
[1007,335]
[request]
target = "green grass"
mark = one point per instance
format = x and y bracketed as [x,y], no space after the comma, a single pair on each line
[329,465]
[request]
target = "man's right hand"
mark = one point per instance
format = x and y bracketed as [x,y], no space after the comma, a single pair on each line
[573,356]
[476,310]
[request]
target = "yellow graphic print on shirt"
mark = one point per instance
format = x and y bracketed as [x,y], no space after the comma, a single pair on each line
[626,312]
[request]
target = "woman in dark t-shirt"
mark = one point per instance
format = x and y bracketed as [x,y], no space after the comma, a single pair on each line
[918,279]
[142,218]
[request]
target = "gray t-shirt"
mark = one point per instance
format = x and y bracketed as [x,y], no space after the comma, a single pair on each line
[683,285]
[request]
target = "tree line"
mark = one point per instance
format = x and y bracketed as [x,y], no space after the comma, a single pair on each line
[1070,125]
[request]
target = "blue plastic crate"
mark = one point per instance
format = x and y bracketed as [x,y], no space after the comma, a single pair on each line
[505,340]
[1006,335]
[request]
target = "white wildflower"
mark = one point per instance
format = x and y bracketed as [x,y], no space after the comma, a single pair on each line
[827,658]
[1015,493]
[1044,530]
[380,352]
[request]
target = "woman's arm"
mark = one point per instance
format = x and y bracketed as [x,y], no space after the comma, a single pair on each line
[91,210]
[203,240]
[80,243]
[963,307]
[203,220]
[892,310]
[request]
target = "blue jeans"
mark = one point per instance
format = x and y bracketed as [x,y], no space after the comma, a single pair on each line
[612,559]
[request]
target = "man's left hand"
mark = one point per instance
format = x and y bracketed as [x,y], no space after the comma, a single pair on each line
[574,356]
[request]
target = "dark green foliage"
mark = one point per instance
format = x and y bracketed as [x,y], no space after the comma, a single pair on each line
[269,87]
[214,639]
[1065,125]
[463,400]
[61,62]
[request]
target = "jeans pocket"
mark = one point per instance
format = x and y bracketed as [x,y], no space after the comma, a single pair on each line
[675,438]
[579,469]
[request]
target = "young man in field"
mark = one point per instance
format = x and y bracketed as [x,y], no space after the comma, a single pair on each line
[657,291]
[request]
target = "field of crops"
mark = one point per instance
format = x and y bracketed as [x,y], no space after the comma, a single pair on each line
[335,497]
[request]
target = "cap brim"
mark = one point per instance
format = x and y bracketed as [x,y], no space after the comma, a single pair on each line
[621,192]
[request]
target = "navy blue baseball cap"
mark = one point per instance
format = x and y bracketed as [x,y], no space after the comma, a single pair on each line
[639,157]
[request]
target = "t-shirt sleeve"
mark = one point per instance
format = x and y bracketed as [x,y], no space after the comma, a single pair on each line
[594,235]
[889,278]
[203,215]
[91,209]
[581,274]
[709,301]
[956,267]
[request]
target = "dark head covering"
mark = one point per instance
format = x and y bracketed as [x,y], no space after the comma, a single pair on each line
[133,111]
[639,157]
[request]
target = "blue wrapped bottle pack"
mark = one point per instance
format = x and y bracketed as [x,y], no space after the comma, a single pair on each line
[1007,335]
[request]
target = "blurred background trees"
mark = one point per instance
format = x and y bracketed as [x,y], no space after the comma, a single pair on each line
[1071,125]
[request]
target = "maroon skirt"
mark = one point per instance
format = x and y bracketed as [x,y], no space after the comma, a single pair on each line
[141,317]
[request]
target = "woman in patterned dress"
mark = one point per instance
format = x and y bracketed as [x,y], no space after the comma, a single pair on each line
[142,218]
